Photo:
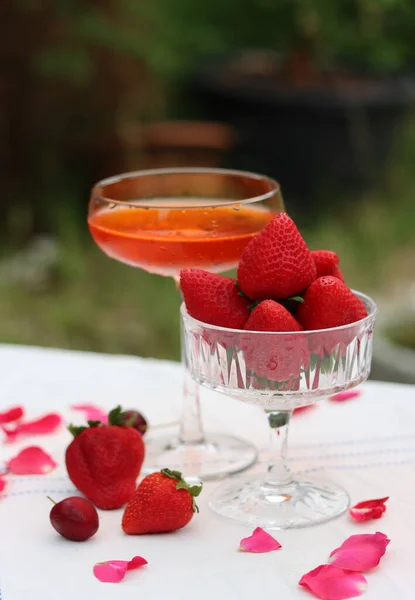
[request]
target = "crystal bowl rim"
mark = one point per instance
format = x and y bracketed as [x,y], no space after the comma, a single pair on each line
[368,301]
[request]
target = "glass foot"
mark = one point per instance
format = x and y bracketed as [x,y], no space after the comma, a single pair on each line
[299,504]
[216,457]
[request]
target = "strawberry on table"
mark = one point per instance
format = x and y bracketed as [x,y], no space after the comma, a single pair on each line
[104,461]
[327,263]
[276,263]
[213,299]
[162,502]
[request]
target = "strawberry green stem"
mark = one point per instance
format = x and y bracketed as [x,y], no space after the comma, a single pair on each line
[194,490]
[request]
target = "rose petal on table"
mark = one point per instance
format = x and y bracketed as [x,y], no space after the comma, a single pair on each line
[12,414]
[32,461]
[11,433]
[347,395]
[113,571]
[368,509]
[92,412]
[331,583]
[360,552]
[42,426]
[47,424]
[2,484]
[301,409]
[259,541]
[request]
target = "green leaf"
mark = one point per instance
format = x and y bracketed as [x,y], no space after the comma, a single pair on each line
[117,416]
[94,423]
[193,490]
[297,299]
[75,430]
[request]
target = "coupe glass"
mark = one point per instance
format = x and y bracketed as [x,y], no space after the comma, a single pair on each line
[162,221]
[279,372]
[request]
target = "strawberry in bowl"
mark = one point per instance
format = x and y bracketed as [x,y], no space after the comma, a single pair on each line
[282,288]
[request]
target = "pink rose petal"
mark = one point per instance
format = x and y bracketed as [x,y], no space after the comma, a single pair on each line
[32,461]
[347,395]
[44,425]
[331,583]
[13,414]
[2,484]
[301,409]
[113,571]
[259,541]
[360,552]
[11,434]
[368,509]
[92,413]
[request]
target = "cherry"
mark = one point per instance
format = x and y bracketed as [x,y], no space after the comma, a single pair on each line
[136,420]
[74,518]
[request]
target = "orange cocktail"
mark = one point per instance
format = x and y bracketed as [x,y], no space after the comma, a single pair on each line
[164,240]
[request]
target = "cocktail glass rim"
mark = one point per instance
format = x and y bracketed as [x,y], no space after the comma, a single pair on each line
[98,188]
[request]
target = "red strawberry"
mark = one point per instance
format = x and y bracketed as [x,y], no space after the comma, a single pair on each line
[271,316]
[276,357]
[328,302]
[276,263]
[162,502]
[327,263]
[104,461]
[213,299]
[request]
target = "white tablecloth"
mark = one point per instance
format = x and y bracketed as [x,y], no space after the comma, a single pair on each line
[367,445]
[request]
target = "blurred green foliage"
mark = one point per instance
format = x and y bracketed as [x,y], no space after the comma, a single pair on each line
[172,35]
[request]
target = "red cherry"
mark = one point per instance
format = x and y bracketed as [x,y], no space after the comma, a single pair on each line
[75,518]
[136,421]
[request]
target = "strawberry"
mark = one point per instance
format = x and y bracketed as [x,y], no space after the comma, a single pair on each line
[162,502]
[276,263]
[271,316]
[327,263]
[104,461]
[276,357]
[213,299]
[328,302]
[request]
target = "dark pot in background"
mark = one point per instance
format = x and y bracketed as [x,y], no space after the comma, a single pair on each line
[315,140]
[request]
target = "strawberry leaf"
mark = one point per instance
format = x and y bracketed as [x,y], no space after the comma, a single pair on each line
[76,430]
[297,299]
[119,417]
[240,292]
[193,490]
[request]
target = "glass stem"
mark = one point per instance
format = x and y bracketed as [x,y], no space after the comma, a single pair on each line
[278,474]
[191,428]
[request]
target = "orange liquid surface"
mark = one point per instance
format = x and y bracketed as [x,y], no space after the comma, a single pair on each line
[163,241]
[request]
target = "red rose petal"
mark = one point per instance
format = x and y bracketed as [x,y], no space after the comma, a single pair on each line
[300,409]
[113,571]
[13,414]
[331,583]
[32,461]
[44,425]
[347,395]
[11,434]
[368,509]
[2,484]
[360,552]
[259,541]
[92,413]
